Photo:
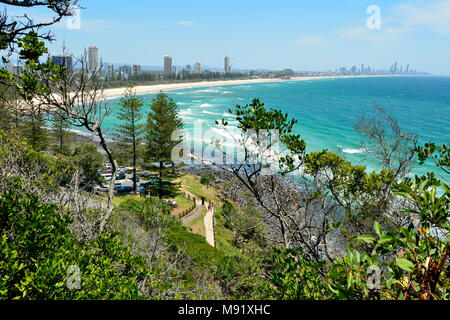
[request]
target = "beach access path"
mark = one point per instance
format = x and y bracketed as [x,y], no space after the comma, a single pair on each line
[209,217]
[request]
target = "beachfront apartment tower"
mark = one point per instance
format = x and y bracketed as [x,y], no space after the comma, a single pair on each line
[109,71]
[197,67]
[136,70]
[93,58]
[227,65]
[167,65]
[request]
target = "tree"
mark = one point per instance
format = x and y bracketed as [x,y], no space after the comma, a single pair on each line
[264,170]
[12,29]
[130,131]
[439,154]
[40,257]
[162,124]
[86,157]
[407,263]
[34,132]
[60,129]
[5,117]
[44,88]
[207,178]
[385,142]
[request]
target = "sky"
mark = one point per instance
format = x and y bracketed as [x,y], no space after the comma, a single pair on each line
[304,35]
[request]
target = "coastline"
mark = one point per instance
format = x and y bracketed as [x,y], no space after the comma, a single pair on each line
[141,90]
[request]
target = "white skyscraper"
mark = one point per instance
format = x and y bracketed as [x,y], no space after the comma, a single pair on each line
[197,67]
[167,65]
[227,65]
[93,58]
[109,71]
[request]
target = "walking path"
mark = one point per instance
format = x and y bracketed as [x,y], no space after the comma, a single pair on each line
[209,217]
[193,216]
[209,226]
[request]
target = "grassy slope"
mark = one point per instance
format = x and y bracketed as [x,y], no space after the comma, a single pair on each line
[224,236]
[195,244]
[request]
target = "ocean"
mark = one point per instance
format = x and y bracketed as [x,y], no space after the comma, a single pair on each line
[326,109]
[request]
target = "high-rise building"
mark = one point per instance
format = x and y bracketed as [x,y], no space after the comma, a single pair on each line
[16,69]
[363,71]
[167,65]
[109,71]
[175,71]
[197,67]
[93,58]
[63,61]
[136,70]
[188,68]
[125,71]
[227,65]
[407,69]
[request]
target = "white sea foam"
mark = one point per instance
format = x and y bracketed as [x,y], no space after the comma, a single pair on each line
[205,105]
[186,112]
[226,114]
[209,112]
[353,151]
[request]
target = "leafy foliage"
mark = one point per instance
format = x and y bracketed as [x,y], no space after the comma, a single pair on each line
[86,157]
[162,124]
[37,249]
[294,278]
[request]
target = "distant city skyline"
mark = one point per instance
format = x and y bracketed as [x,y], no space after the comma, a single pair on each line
[314,35]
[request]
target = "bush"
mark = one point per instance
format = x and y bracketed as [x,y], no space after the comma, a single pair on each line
[37,250]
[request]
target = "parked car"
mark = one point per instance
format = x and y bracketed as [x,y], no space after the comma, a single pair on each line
[125,189]
[117,185]
[107,176]
[145,175]
[142,190]
[121,176]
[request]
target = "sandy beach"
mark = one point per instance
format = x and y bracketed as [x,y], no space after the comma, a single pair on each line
[118,92]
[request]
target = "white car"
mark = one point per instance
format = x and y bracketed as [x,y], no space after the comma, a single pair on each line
[107,176]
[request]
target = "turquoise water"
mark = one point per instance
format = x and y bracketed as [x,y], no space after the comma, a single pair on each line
[326,109]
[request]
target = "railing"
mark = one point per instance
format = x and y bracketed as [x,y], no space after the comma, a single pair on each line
[190,209]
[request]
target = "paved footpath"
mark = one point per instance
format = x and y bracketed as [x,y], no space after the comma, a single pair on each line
[209,226]
[193,216]
[209,217]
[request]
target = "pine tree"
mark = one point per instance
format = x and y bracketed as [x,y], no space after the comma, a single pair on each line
[61,133]
[129,133]
[163,121]
[34,132]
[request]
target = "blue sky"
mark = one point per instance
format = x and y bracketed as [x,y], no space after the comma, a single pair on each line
[298,34]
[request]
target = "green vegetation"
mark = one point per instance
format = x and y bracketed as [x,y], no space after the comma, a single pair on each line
[277,237]
[163,133]
[86,157]
[131,129]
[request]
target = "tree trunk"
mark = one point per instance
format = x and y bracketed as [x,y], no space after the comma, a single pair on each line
[134,165]
[105,219]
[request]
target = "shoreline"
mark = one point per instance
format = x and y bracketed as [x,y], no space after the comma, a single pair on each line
[155,88]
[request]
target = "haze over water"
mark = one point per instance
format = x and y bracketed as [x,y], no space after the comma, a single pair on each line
[326,109]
